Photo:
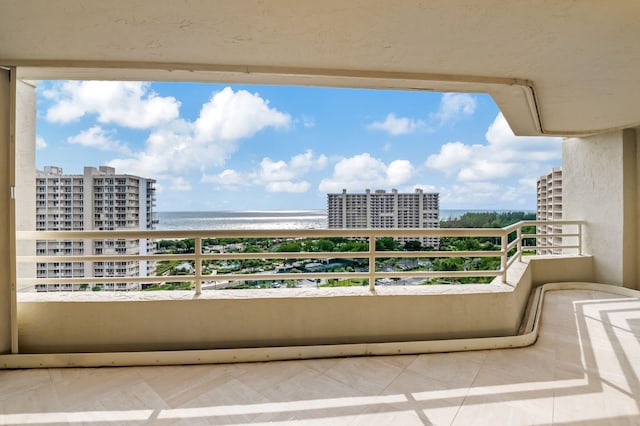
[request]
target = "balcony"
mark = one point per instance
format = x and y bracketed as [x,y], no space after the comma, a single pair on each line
[580,371]
[409,319]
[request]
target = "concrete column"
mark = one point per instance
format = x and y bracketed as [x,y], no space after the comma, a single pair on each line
[5,227]
[600,186]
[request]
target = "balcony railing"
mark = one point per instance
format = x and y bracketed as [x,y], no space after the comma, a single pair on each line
[511,240]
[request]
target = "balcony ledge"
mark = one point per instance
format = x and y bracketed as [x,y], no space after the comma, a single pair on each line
[276,293]
[238,325]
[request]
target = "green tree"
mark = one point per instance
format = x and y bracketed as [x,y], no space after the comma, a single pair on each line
[413,245]
[289,246]
[325,245]
[387,244]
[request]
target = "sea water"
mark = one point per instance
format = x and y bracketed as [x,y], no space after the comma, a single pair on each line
[238,220]
[259,219]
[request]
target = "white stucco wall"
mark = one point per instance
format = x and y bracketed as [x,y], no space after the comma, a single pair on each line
[600,186]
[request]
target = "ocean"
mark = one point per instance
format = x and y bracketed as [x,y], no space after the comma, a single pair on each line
[260,219]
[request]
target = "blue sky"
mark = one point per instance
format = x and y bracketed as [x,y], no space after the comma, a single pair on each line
[247,147]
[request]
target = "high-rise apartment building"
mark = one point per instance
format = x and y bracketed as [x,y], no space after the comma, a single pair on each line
[381,209]
[99,199]
[549,207]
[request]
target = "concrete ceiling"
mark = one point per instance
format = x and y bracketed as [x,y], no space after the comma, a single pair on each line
[553,67]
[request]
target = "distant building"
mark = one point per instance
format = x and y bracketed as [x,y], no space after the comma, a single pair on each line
[99,199]
[381,209]
[549,207]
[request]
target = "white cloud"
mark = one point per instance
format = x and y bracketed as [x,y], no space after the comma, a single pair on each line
[397,126]
[181,146]
[363,171]
[226,177]
[124,103]
[299,165]
[452,105]
[97,137]
[272,171]
[399,172]
[40,142]
[483,170]
[305,162]
[505,156]
[286,186]
[179,184]
[274,176]
[450,157]
[237,115]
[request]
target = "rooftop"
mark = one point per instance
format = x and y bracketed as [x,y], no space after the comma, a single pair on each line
[584,369]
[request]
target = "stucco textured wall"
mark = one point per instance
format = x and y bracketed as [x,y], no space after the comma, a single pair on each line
[600,186]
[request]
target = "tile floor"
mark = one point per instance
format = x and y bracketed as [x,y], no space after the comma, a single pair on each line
[584,370]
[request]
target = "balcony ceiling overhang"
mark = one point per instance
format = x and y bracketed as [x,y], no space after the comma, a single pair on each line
[553,67]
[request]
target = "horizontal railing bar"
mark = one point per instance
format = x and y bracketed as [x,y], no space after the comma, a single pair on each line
[285,276]
[523,223]
[260,233]
[97,280]
[288,255]
[439,274]
[512,244]
[551,247]
[531,236]
[192,256]
[546,222]
[103,258]
[263,255]
[438,253]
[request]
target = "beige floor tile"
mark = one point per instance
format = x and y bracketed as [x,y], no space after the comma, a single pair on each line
[515,366]
[18,381]
[388,415]
[265,375]
[310,385]
[230,402]
[489,411]
[34,404]
[178,385]
[436,401]
[369,375]
[596,403]
[454,369]
[321,365]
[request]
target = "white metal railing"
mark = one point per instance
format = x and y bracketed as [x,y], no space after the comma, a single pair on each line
[512,242]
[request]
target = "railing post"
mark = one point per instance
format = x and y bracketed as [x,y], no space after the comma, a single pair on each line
[198,264]
[580,239]
[504,241]
[519,244]
[372,262]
